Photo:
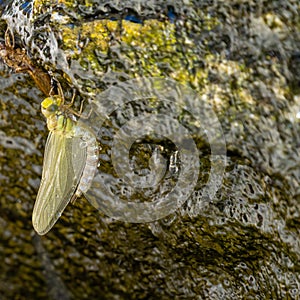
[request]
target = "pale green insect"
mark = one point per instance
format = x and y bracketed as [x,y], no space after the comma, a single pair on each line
[70,163]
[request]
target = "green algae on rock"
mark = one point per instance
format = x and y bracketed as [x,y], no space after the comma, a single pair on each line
[91,48]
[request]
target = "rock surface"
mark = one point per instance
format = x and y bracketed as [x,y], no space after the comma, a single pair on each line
[244,58]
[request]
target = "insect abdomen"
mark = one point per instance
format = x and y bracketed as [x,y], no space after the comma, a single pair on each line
[90,168]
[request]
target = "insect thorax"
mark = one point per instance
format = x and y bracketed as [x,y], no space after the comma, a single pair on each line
[60,124]
[58,118]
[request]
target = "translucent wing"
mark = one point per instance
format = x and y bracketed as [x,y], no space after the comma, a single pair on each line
[64,161]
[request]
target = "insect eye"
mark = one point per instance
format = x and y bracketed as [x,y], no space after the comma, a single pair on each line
[52,108]
[47,102]
[50,101]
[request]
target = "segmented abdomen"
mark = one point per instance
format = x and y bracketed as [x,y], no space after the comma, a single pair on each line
[92,157]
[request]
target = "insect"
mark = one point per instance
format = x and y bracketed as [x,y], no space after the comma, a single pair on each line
[70,162]
[17,59]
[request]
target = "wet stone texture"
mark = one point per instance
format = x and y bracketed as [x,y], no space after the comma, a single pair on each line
[243,57]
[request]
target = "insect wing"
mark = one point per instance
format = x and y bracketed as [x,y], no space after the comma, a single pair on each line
[64,162]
